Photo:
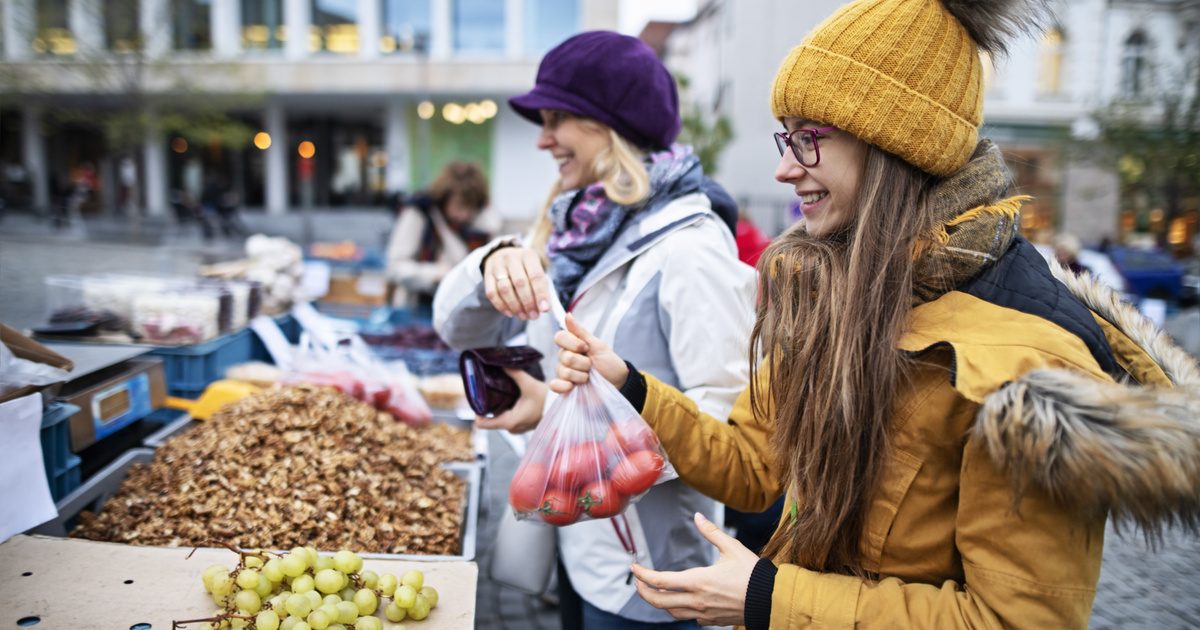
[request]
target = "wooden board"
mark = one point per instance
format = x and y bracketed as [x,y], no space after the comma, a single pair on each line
[86,584]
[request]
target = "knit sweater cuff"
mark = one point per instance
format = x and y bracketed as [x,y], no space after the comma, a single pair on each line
[634,389]
[758,595]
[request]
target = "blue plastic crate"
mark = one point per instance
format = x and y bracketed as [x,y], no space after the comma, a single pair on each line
[56,437]
[189,369]
[63,481]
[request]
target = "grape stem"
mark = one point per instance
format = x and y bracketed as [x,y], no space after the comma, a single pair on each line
[262,553]
[182,623]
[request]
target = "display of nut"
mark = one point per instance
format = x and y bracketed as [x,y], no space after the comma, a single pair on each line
[291,467]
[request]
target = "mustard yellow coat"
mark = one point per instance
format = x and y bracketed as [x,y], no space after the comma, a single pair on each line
[942,534]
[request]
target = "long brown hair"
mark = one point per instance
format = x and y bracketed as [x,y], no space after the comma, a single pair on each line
[831,314]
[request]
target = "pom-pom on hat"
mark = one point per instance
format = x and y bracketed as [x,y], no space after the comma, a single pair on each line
[609,77]
[903,75]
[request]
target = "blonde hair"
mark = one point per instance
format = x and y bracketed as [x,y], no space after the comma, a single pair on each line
[619,170]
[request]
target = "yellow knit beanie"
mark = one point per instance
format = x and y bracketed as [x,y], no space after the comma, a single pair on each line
[903,75]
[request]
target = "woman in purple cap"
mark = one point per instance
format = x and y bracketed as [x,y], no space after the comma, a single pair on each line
[639,244]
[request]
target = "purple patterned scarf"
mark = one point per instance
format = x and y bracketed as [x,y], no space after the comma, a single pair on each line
[586,222]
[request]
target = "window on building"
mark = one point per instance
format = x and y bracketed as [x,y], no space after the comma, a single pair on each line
[406,26]
[1135,65]
[190,19]
[478,25]
[444,137]
[262,25]
[346,165]
[1051,66]
[122,32]
[334,26]
[547,23]
[53,33]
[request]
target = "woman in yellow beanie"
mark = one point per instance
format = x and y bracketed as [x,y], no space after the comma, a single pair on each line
[950,420]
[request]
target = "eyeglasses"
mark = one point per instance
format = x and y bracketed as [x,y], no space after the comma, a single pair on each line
[803,143]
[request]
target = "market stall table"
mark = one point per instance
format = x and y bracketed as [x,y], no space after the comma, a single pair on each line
[67,583]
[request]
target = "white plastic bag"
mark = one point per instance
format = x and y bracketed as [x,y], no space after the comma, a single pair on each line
[590,457]
[16,372]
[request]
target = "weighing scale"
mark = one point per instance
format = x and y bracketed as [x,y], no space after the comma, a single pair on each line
[115,387]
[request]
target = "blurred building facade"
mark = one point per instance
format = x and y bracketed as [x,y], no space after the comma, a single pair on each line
[372,98]
[1038,100]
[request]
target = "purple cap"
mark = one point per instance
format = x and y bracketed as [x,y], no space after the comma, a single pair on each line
[609,77]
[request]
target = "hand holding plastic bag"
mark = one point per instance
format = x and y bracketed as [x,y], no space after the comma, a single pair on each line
[590,457]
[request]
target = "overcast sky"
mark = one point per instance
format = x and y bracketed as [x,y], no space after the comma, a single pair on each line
[635,13]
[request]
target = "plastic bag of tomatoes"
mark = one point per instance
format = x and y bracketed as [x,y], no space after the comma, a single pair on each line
[589,458]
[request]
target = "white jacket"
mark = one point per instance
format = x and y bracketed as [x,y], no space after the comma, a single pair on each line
[671,297]
[411,276]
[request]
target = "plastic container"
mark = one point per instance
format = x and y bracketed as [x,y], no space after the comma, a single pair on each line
[56,439]
[245,299]
[64,297]
[105,483]
[115,292]
[189,369]
[181,316]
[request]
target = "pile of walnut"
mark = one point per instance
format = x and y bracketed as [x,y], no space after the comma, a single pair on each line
[293,467]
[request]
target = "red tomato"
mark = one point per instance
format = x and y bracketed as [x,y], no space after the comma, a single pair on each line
[577,465]
[559,507]
[526,488]
[636,473]
[380,397]
[630,436]
[600,499]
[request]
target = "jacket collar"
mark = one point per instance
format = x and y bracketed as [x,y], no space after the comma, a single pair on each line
[644,231]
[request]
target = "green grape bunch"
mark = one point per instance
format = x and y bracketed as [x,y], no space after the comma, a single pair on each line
[303,590]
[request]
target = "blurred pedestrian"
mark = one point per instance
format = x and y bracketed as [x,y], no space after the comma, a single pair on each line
[184,207]
[83,185]
[638,242]
[435,229]
[227,212]
[210,201]
[951,423]
[1066,252]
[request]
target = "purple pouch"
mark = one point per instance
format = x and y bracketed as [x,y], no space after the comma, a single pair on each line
[489,389]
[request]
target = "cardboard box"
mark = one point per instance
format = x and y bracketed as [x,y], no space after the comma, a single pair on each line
[124,586]
[367,289]
[25,348]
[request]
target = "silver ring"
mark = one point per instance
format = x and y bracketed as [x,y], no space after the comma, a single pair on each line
[499,277]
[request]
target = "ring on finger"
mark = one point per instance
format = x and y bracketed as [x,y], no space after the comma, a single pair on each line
[500,277]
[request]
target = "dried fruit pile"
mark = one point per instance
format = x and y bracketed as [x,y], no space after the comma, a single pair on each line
[292,467]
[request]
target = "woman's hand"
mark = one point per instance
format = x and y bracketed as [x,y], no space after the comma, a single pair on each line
[714,596]
[580,352]
[515,282]
[526,413]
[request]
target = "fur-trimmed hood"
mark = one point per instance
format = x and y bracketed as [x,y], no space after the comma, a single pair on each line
[1130,446]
